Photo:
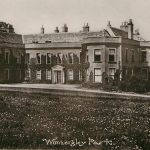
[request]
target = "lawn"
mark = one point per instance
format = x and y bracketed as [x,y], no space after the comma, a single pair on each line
[46,121]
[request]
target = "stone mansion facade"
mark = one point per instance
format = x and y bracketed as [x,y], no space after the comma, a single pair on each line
[64,57]
[12,55]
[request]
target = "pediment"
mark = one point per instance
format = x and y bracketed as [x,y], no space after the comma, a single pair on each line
[58,67]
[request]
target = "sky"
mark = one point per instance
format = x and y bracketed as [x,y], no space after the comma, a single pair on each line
[28,16]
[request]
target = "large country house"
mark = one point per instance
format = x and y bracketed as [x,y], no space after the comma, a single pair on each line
[64,57]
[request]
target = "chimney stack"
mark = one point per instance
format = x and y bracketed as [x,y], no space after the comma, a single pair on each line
[130,29]
[11,29]
[65,28]
[86,28]
[42,30]
[124,26]
[56,30]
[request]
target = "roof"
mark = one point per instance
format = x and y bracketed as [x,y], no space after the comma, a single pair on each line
[11,38]
[60,37]
[119,32]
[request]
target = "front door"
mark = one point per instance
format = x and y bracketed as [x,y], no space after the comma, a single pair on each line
[57,74]
[58,78]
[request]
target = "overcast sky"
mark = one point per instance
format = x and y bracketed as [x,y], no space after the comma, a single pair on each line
[28,16]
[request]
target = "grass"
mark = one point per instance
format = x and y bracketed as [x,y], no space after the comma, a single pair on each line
[27,119]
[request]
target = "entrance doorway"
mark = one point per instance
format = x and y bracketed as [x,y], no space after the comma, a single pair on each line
[57,77]
[58,74]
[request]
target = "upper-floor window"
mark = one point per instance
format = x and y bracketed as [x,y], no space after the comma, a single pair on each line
[7,57]
[132,55]
[18,58]
[112,52]
[38,58]
[143,56]
[126,54]
[59,58]
[48,58]
[97,55]
[70,58]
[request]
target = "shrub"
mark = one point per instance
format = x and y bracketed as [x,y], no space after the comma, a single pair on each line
[134,84]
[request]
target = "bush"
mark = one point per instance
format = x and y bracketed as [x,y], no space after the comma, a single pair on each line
[134,84]
[92,85]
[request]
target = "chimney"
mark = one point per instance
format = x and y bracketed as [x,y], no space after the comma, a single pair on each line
[11,29]
[86,28]
[124,26]
[109,25]
[56,30]
[130,29]
[42,30]
[65,28]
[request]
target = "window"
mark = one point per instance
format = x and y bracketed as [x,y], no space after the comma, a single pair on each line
[70,57]
[80,57]
[18,58]
[48,58]
[48,74]
[28,73]
[48,41]
[112,55]
[7,57]
[7,74]
[70,74]
[143,56]
[87,58]
[132,72]
[27,58]
[132,55]
[38,57]
[59,58]
[38,74]
[112,72]
[97,75]
[126,72]
[97,55]
[80,75]
[145,73]
[126,55]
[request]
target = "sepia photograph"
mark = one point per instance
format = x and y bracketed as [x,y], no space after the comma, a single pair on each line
[75,74]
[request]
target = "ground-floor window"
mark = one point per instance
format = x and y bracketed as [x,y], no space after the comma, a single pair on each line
[112,72]
[7,74]
[20,74]
[48,74]
[80,75]
[97,75]
[70,74]
[145,73]
[132,72]
[38,74]
[28,73]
